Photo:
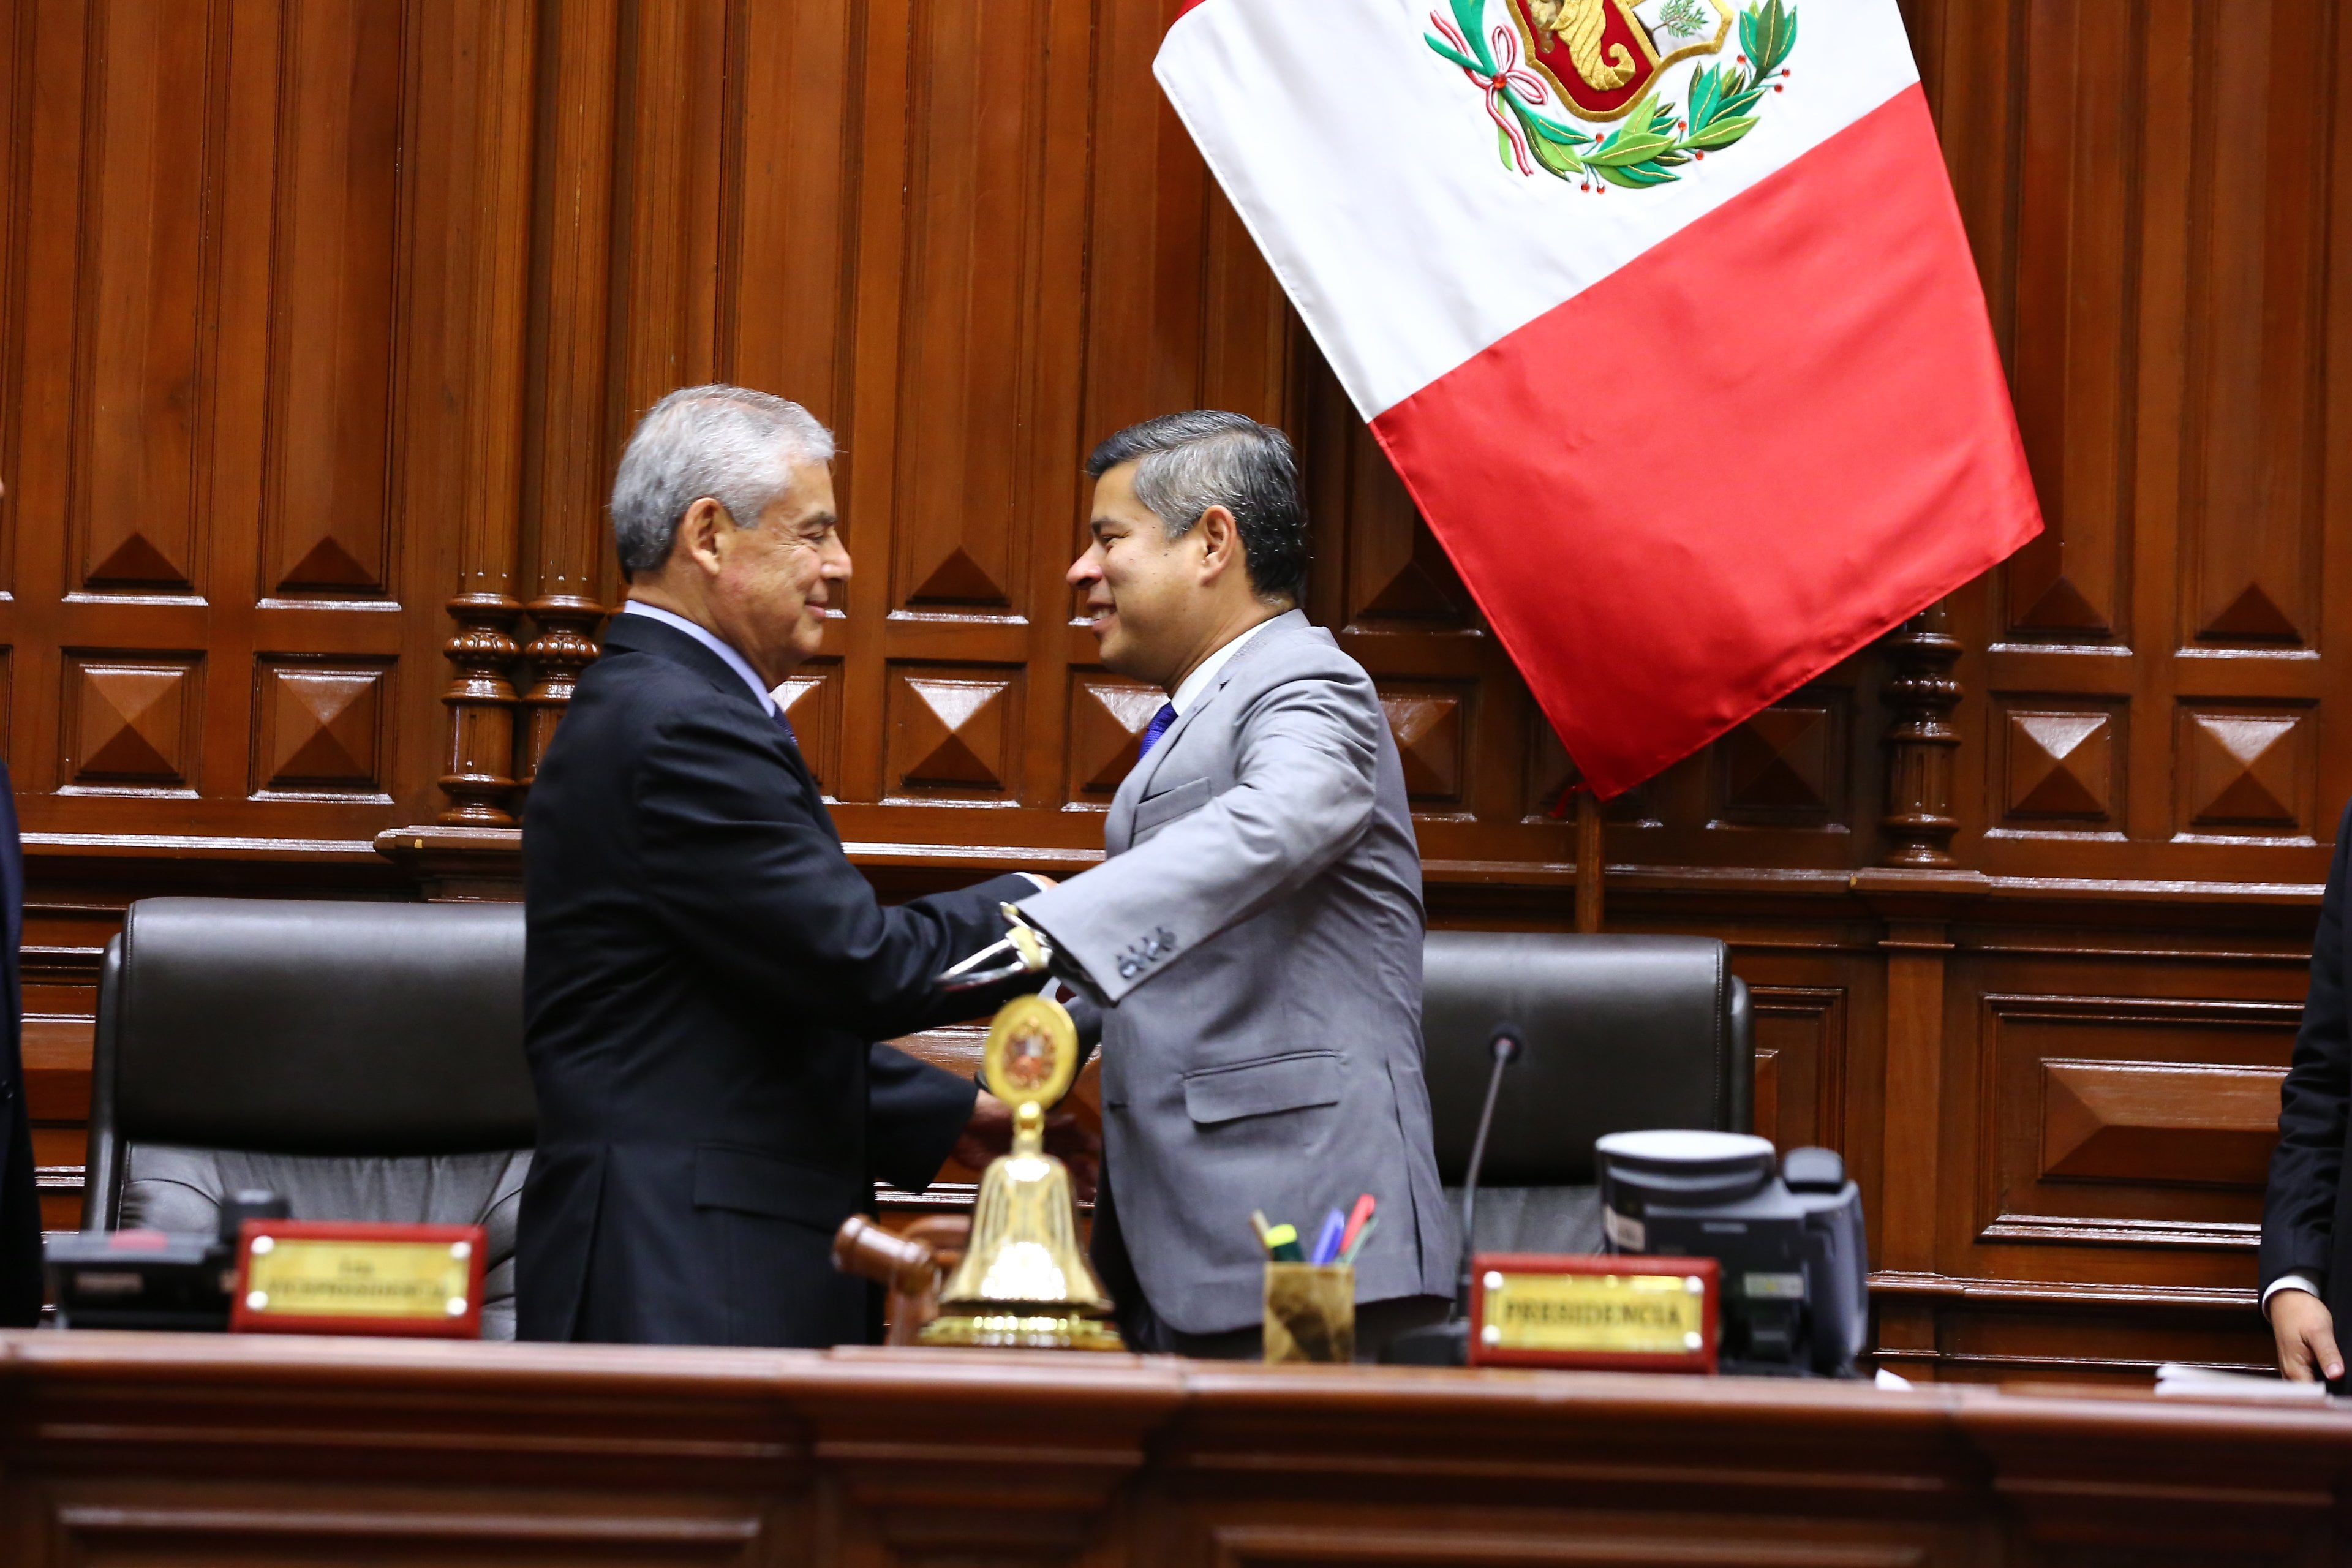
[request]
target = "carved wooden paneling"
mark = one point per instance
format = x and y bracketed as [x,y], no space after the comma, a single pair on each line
[2058,763]
[974,262]
[2135,1121]
[1787,764]
[2076,288]
[319,728]
[1108,717]
[151,133]
[1800,1051]
[2246,771]
[954,732]
[811,701]
[1432,725]
[328,521]
[2158,1121]
[133,723]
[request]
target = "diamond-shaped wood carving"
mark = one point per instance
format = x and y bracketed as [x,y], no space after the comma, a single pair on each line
[2252,616]
[132,721]
[957,579]
[2244,770]
[1108,718]
[950,730]
[1430,729]
[1781,764]
[811,697]
[320,728]
[2059,764]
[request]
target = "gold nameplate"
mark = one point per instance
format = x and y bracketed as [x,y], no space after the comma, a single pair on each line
[338,1278]
[1635,1313]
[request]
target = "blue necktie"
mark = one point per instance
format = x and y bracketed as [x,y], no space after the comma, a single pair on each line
[1158,727]
[786,726]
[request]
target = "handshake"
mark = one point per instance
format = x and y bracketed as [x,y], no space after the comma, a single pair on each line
[1024,952]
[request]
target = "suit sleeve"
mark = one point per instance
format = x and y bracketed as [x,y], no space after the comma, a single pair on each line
[736,861]
[914,1114]
[1305,771]
[2306,1166]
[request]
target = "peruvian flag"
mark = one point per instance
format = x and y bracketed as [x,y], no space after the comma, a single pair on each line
[1660,308]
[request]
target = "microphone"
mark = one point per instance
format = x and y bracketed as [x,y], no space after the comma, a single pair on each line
[1448,1343]
[1505,1045]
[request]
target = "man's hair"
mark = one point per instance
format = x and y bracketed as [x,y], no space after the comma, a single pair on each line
[1187,463]
[736,446]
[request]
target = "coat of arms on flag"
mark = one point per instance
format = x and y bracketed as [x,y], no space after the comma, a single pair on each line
[1603,60]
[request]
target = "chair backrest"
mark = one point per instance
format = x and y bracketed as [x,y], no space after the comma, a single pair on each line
[1622,1032]
[357,1031]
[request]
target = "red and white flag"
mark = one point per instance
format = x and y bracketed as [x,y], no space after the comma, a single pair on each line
[1661,309]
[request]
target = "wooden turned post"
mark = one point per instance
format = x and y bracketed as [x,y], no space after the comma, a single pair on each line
[565,646]
[1920,821]
[481,703]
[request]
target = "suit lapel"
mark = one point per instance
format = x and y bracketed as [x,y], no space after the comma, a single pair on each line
[1117,830]
[643,634]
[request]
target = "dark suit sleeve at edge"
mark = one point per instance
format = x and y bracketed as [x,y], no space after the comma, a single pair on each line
[2299,1209]
[914,1114]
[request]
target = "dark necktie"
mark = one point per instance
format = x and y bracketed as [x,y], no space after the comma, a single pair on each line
[786,726]
[1158,727]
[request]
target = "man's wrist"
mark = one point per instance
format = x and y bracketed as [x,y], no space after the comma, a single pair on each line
[2302,1282]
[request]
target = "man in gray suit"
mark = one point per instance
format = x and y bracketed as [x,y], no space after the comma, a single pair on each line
[1257,927]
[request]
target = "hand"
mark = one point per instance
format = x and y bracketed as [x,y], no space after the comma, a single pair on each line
[2306,1337]
[988,1134]
[1080,1147]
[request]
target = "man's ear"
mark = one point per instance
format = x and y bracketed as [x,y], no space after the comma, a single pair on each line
[1221,542]
[698,534]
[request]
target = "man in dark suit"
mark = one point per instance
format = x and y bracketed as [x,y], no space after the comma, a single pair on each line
[2306,1255]
[706,973]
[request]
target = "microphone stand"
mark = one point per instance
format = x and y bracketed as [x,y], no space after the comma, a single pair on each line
[1448,1343]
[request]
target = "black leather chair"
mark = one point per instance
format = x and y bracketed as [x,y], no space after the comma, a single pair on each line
[1622,1032]
[364,1060]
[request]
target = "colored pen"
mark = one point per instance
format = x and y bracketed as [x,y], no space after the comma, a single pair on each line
[1362,1236]
[1282,1245]
[1258,1224]
[1364,1207]
[1327,1240]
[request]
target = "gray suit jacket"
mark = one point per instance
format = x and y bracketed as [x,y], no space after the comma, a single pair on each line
[1258,929]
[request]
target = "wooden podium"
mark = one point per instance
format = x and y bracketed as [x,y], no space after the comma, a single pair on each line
[119,1449]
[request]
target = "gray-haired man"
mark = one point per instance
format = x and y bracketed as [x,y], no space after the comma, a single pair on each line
[1258,924]
[705,972]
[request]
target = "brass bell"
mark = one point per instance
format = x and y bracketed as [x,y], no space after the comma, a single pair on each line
[1024,1283]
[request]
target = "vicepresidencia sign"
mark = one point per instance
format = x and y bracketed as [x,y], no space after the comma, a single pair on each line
[1634,1314]
[332,1277]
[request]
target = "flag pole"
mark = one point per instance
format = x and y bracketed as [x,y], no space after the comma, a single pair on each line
[1590,870]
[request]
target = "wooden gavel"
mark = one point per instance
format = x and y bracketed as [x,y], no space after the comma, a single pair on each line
[910,1267]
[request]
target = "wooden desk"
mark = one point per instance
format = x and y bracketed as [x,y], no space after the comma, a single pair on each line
[122,1448]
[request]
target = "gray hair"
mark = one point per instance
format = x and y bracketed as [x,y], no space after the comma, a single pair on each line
[1187,463]
[736,446]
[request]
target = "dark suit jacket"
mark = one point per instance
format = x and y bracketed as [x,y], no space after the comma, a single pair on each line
[20,1201]
[703,973]
[2306,1228]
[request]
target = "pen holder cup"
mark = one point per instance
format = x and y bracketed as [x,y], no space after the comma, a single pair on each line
[1310,1312]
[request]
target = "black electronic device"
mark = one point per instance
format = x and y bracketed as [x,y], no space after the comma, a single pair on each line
[1787,1234]
[1448,1343]
[178,1280]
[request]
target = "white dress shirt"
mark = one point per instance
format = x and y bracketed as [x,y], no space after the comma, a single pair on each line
[711,640]
[1191,688]
[2302,1282]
